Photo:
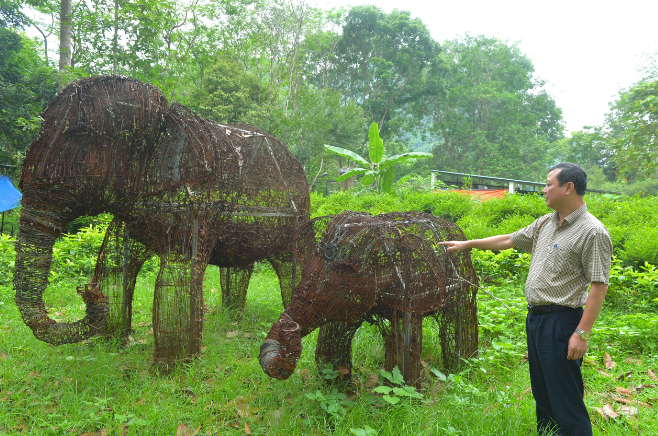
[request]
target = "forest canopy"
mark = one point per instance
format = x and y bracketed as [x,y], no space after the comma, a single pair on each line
[315,77]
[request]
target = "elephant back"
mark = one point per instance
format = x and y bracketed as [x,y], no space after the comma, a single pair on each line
[96,127]
[392,260]
[244,180]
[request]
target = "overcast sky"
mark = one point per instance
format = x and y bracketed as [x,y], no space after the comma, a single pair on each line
[586,50]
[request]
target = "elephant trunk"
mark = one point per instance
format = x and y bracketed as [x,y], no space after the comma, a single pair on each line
[282,348]
[34,254]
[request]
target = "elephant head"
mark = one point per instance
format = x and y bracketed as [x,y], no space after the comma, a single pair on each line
[92,131]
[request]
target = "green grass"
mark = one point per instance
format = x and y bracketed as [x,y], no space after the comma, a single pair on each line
[99,388]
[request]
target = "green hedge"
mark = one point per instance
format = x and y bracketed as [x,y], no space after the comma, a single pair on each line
[632,221]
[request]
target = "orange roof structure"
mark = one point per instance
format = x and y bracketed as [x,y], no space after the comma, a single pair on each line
[483,194]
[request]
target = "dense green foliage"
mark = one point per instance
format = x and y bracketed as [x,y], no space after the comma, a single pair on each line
[632,221]
[313,77]
[489,114]
[26,86]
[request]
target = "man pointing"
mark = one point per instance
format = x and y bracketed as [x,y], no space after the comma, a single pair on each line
[571,252]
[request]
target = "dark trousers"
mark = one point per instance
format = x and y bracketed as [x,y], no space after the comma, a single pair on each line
[557,383]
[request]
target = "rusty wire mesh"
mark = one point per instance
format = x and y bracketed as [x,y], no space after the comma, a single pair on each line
[192,191]
[387,269]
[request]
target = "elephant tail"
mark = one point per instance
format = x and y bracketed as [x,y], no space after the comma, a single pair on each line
[281,349]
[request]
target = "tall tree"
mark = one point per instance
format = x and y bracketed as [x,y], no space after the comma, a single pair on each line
[488,113]
[633,129]
[379,57]
[65,32]
[589,147]
[26,85]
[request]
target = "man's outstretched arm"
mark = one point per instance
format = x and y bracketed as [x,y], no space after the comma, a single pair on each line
[498,242]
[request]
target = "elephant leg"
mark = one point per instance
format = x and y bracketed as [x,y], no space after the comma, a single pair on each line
[450,339]
[334,346]
[119,261]
[235,282]
[404,344]
[178,309]
[458,332]
[289,274]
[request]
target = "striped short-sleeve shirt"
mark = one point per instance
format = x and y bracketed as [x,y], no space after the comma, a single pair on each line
[566,259]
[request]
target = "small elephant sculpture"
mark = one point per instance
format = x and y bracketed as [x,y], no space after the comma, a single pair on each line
[189,190]
[386,269]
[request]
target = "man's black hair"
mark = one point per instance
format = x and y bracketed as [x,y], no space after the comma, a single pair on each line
[571,173]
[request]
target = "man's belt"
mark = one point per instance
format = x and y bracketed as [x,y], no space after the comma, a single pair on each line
[548,308]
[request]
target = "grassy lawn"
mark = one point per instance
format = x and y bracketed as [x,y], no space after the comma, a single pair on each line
[98,388]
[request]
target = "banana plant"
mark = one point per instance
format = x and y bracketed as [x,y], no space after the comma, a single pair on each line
[380,170]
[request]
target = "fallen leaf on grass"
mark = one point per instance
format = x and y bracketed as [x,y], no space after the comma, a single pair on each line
[629,401]
[609,410]
[599,410]
[652,376]
[3,356]
[343,371]
[627,410]
[624,375]
[609,363]
[247,430]
[602,372]
[633,361]
[184,430]
[242,407]
[652,400]
[233,334]
[623,391]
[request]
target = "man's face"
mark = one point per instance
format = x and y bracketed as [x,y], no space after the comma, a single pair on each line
[554,194]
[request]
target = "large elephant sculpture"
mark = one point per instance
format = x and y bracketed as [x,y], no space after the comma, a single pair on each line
[387,269]
[189,190]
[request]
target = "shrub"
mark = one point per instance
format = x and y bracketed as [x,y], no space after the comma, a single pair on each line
[449,205]
[631,221]
[641,246]
[7,256]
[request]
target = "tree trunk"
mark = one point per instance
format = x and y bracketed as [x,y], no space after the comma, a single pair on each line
[65,31]
[115,39]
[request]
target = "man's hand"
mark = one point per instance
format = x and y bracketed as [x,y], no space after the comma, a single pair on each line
[577,347]
[453,246]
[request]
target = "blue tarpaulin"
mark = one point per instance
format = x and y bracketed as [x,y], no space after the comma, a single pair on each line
[10,197]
